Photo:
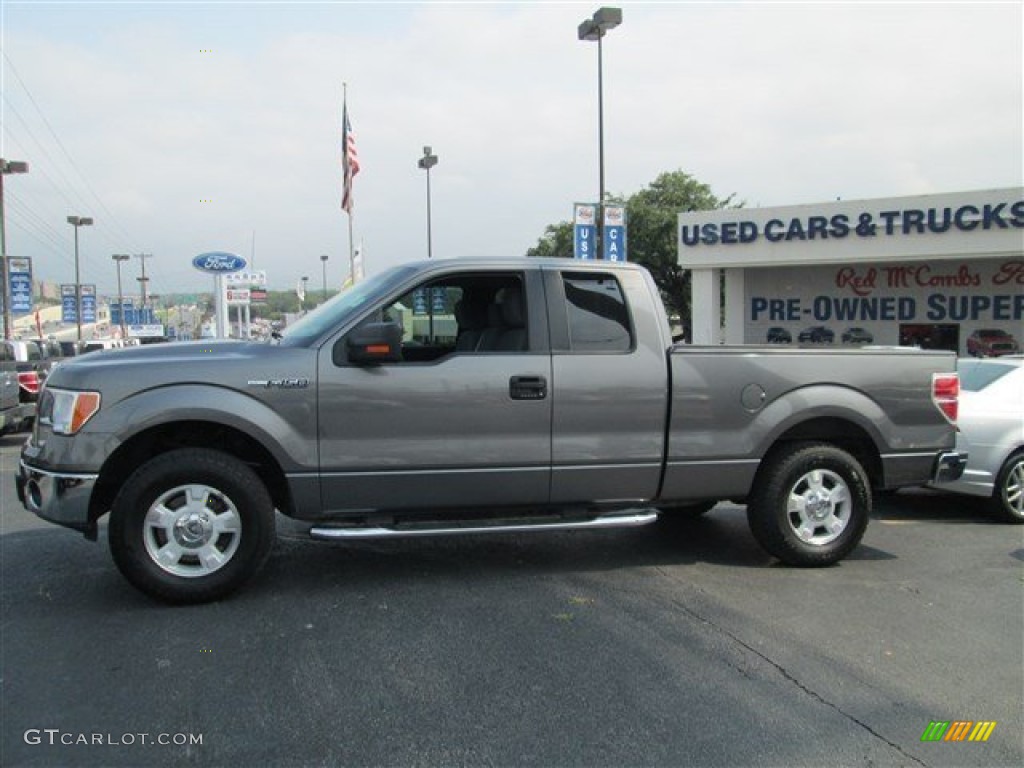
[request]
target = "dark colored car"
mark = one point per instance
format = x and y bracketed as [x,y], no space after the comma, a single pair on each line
[779,335]
[991,342]
[817,334]
[857,336]
[51,349]
[69,348]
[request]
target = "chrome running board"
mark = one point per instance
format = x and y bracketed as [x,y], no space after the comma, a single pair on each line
[610,521]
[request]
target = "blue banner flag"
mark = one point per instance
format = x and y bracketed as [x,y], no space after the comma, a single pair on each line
[615,233]
[584,231]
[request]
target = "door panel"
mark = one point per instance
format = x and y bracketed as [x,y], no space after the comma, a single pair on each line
[610,403]
[470,428]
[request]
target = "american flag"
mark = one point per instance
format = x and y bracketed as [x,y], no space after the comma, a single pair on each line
[349,160]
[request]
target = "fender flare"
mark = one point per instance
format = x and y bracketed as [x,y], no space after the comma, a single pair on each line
[294,450]
[821,401]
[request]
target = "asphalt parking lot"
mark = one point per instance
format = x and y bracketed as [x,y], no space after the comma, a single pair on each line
[646,647]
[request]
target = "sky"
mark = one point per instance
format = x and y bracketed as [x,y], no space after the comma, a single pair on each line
[187,127]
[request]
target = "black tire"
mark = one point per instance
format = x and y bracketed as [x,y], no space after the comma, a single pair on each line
[215,530]
[1007,502]
[830,497]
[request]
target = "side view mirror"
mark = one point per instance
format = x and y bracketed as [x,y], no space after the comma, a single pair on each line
[375,343]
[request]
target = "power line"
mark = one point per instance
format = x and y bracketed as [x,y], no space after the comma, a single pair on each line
[110,229]
[37,169]
[67,154]
[35,226]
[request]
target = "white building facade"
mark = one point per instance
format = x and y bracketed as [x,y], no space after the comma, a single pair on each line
[938,271]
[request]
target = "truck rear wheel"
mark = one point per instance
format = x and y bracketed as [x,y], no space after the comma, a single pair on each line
[191,525]
[810,504]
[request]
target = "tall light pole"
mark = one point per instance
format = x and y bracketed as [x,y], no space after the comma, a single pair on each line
[6,166]
[323,261]
[118,258]
[76,222]
[305,285]
[427,162]
[595,28]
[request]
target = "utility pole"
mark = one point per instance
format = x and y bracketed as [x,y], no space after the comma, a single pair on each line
[143,280]
[118,258]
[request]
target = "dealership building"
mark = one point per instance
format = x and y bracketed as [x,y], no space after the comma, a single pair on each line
[939,271]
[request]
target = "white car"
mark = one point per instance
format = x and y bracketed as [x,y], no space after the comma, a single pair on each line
[991,423]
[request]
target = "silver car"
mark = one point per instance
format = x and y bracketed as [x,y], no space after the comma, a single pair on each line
[991,423]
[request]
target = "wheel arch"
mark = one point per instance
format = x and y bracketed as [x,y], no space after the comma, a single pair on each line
[835,429]
[192,433]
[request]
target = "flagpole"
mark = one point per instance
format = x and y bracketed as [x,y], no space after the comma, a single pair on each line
[351,241]
[351,252]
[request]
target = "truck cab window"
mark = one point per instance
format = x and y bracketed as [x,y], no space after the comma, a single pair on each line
[597,313]
[463,314]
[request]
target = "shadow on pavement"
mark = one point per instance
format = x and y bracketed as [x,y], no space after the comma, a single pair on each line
[933,506]
[62,571]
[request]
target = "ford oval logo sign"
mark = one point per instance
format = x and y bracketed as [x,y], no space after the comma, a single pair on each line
[218,262]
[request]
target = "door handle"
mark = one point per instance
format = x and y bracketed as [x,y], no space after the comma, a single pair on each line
[528,387]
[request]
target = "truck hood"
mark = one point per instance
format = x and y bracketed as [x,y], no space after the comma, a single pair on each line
[237,365]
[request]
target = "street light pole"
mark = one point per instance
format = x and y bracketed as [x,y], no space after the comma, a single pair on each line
[592,29]
[76,222]
[427,162]
[323,260]
[118,258]
[6,166]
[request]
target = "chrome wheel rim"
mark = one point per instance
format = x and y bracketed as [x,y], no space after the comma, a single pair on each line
[819,507]
[192,531]
[1013,488]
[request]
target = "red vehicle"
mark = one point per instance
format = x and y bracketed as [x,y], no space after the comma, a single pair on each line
[991,342]
[28,360]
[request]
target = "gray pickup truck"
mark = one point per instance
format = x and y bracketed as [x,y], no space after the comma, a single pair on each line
[474,396]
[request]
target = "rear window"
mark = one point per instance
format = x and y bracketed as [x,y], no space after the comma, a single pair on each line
[597,313]
[975,375]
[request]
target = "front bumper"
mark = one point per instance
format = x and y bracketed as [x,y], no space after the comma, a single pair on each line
[57,498]
[949,466]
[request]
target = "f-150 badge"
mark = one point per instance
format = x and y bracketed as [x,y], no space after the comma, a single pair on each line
[279,383]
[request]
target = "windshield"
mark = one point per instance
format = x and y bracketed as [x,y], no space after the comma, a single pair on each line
[975,375]
[343,307]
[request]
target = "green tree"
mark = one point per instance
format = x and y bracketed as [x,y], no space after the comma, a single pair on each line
[557,241]
[652,232]
[652,237]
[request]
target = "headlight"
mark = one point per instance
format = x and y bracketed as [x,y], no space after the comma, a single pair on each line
[66,411]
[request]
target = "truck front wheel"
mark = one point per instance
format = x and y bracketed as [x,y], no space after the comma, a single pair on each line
[191,525]
[810,504]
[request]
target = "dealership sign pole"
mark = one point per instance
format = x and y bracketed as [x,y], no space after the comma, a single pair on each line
[242,289]
[218,264]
